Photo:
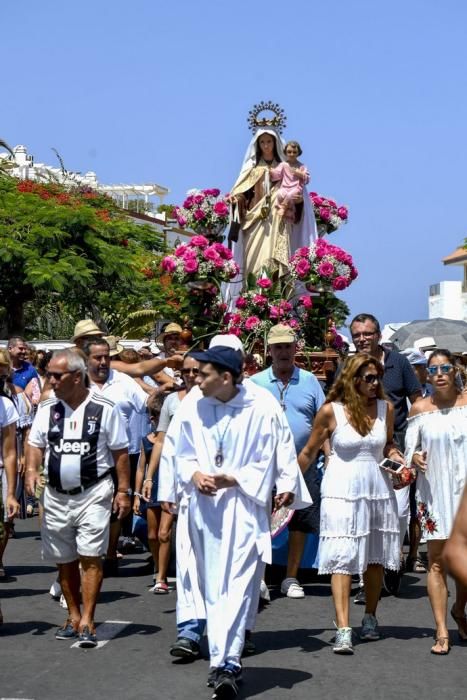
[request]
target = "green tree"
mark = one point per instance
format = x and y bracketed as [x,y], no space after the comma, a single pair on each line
[71,251]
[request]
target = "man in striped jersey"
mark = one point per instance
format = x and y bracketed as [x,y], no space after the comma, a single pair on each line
[81,437]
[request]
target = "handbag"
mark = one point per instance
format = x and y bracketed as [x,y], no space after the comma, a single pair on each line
[234,228]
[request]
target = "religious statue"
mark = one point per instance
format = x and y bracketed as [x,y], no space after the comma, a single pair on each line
[268,237]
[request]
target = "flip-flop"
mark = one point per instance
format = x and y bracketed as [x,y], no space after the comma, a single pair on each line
[443,651]
[461,622]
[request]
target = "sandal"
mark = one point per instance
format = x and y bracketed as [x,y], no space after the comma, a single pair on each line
[415,565]
[461,622]
[160,587]
[443,642]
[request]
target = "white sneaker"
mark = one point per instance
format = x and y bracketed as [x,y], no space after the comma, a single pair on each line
[343,641]
[264,592]
[291,588]
[55,590]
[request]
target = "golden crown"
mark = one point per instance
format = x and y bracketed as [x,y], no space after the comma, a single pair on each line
[278,121]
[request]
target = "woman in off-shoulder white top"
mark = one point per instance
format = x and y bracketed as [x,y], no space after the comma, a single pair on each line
[436,443]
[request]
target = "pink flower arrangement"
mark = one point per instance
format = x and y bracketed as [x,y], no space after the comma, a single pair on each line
[203,210]
[200,260]
[323,264]
[257,310]
[328,213]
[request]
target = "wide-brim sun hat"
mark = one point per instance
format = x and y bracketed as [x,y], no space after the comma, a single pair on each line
[86,327]
[115,348]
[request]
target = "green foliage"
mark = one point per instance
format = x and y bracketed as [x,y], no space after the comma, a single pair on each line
[67,251]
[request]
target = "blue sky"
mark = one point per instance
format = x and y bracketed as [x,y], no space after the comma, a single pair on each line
[155,91]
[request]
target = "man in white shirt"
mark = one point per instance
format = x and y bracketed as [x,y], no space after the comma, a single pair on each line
[80,437]
[132,400]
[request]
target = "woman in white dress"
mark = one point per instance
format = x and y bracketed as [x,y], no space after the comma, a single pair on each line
[436,443]
[359,530]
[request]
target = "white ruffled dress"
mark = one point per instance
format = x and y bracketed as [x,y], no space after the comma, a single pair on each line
[443,434]
[359,523]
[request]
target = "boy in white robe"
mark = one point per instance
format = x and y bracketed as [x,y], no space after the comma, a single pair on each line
[226,465]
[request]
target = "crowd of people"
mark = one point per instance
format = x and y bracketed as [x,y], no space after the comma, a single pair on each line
[205,443]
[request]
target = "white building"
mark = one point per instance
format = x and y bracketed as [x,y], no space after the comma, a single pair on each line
[449,299]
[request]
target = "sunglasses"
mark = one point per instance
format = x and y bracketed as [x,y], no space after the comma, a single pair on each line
[58,375]
[370,378]
[192,370]
[444,369]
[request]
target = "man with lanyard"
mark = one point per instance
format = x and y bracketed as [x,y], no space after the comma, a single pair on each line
[400,383]
[130,399]
[300,396]
[83,438]
[226,464]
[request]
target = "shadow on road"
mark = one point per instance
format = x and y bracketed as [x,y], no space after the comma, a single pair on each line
[31,627]
[260,679]
[290,639]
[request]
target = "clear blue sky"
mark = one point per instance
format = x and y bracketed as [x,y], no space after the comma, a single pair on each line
[154,91]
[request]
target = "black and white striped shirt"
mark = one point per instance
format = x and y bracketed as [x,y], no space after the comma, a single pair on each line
[78,442]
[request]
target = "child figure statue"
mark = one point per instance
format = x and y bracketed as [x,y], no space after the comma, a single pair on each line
[292,176]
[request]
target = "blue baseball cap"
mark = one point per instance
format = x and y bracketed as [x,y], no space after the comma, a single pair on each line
[221,355]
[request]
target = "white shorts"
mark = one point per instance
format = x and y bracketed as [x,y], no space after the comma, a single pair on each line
[74,526]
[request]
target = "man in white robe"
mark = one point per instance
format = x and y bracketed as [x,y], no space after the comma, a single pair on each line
[226,465]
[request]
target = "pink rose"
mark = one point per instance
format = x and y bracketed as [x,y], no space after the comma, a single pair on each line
[260,300]
[188,203]
[219,263]
[252,322]
[220,208]
[274,312]
[235,331]
[324,213]
[343,213]
[264,283]
[198,198]
[353,273]
[190,265]
[241,303]
[199,214]
[306,301]
[285,306]
[326,269]
[199,241]
[223,251]
[180,251]
[235,319]
[222,307]
[182,220]
[339,283]
[212,192]
[316,199]
[210,254]
[168,264]
[293,323]
[303,252]
[302,268]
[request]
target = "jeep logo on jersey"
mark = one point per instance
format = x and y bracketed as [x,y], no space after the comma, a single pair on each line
[76,447]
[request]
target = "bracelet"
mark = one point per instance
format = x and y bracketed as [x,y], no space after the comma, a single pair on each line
[151,480]
[135,493]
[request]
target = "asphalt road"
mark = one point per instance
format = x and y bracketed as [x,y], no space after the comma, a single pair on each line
[136,628]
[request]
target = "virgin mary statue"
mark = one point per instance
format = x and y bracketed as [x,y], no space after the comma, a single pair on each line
[266,240]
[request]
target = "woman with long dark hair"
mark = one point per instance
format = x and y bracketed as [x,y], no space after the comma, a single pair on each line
[359,529]
[436,444]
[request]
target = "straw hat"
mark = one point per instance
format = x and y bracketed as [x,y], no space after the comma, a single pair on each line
[169,329]
[85,328]
[115,348]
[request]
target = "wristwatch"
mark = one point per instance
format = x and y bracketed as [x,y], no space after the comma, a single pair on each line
[127,492]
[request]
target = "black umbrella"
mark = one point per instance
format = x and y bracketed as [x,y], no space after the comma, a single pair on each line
[447,333]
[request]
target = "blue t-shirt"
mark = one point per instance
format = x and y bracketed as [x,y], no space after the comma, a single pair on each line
[23,375]
[301,399]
